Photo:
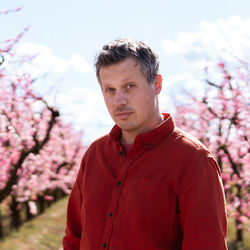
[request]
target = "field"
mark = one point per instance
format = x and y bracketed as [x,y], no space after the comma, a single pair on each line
[45,232]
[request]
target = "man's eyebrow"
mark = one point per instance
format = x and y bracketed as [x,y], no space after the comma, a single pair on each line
[124,81]
[127,80]
[104,85]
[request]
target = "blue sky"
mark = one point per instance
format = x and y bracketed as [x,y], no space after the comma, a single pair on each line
[66,36]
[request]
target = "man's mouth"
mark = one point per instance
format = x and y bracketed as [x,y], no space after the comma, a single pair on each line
[123,115]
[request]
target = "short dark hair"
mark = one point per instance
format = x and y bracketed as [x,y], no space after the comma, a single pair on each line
[120,49]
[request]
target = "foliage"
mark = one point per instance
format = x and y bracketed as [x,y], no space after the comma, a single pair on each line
[39,153]
[220,119]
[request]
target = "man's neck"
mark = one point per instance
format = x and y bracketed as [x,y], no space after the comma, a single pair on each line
[128,137]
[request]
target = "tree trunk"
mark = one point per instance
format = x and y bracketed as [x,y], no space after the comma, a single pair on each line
[15,214]
[239,231]
[239,224]
[1,225]
[41,204]
[57,194]
[27,211]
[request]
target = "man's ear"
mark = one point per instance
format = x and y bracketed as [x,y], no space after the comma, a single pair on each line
[157,84]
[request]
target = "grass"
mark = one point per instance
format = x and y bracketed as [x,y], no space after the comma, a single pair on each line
[232,235]
[44,232]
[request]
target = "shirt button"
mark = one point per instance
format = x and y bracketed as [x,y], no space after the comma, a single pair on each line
[104,245]
[118,183]
[110,214]
[121,153]
[149,144]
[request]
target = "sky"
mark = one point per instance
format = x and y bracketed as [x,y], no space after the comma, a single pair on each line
[66,36]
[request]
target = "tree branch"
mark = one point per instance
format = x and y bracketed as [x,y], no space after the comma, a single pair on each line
[24,154]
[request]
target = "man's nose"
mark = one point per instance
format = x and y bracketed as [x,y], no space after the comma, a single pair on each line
[120,98]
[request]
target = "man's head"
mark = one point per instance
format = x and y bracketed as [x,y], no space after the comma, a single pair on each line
[128,75]
[121,49]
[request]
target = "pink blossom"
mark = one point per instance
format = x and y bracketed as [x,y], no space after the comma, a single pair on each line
[32,207]
[48,198]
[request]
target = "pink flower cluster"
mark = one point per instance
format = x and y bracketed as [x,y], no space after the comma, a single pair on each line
[38,151]
[221,120]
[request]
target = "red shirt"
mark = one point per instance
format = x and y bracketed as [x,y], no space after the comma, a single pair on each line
[166,194]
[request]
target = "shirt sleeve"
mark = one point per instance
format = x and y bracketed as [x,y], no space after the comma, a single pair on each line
[202,207]
[73,231]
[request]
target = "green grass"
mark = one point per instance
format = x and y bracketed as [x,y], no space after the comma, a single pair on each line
[46,231]
[232,235]
[43,232]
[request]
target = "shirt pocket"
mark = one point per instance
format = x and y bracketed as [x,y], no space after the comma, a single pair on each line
[148,199]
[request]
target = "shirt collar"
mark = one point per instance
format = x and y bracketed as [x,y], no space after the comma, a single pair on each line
[151,137]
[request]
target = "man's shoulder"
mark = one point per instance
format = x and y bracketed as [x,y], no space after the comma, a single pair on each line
[191,153]
[101,142]
[189,143]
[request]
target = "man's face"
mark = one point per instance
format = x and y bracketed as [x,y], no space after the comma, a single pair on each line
[130,99]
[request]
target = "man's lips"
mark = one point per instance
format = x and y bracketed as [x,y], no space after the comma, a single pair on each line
[123,115]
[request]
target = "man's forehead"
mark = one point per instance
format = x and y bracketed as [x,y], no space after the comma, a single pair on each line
[127,61]
[125,71]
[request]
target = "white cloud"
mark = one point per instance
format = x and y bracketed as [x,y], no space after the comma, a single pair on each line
[175,89]
[79,103]
[171,47]
[85,108]
[185,80]
[46,61]
[223,39]
[212,40]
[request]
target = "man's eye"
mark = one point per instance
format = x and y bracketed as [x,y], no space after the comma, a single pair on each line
[130,85]
[109,90]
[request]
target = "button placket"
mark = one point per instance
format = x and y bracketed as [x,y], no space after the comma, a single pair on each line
[126,163]
[113,206]
[118,183]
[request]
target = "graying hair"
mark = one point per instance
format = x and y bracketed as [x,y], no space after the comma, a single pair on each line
[120,49]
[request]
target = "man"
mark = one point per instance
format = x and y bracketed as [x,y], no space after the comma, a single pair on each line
[146,185]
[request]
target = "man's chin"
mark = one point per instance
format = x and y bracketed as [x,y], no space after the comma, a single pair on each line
[125,126]
[122,124]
